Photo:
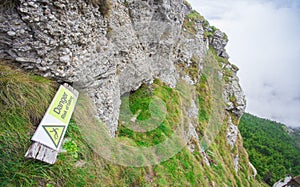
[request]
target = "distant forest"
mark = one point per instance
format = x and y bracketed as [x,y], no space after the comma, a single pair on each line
[273,148]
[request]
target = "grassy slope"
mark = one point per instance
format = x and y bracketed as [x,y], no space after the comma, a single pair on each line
[271,149]
[25,97]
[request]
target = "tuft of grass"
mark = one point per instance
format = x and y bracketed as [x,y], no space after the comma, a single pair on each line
[126,3]
[194,16]
[190,26]
[191,69]
[204,99]
[213,28]
[225,37]
[228,73]
[8,5]
[186,3]
[232,99]
[24,98]
[104,6]
[139,101]
[27,92]
[190,21]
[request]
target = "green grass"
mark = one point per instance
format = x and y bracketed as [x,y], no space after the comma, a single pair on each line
[190,21]
[204,99]
[23,91]
[191,69]
[193,18]
[186,3]
[220,60]
[228,73]
[25,97]
[139,100]
[190,26]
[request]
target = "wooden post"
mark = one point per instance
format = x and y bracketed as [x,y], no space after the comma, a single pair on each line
[48,137]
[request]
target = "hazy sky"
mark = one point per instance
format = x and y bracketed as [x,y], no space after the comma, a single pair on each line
[264,42]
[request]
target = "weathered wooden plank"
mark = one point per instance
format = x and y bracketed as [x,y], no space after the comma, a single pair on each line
[41,152]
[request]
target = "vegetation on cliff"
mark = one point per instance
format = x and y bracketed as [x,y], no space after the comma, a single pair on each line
[198,90]
[25,97]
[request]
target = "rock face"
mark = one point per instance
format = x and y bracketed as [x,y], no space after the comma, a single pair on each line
[234,95]
[107,56]
[232,133]
[219,41]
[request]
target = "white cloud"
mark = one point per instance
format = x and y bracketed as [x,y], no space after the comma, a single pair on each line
[264,41]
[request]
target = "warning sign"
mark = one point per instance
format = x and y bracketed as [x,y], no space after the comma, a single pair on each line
[62,105]
[55,122]
[55,133]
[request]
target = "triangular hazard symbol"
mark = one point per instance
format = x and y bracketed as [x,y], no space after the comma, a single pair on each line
[55,133]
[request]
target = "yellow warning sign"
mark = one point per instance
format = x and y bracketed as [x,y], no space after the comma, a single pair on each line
[62,105]
[55,133]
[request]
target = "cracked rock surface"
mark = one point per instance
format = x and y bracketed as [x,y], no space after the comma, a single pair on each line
[108,56]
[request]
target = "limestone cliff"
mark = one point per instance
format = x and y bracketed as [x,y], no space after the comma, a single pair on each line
[109,54]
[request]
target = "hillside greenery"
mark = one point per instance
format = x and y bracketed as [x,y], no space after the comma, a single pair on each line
[295,134]
[25,97]
[271,149]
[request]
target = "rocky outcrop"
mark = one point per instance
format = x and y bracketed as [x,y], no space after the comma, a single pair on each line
[236,163]
[234,95]
[218,42]
[232,133]
[108,56]
[71,41]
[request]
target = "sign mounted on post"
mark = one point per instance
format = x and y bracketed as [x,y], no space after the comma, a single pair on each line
[55,122]
[53,126]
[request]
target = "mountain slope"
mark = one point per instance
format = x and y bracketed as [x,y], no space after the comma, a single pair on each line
[81,166]
[270,147]
[159,100]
